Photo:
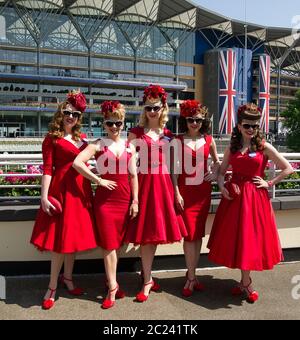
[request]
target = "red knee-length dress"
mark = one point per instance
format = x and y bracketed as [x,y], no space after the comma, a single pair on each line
[197,198]
[244,234]
[157,221]
[111,207]
[73,230]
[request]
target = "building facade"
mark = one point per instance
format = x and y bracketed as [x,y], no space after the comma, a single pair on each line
[112,49]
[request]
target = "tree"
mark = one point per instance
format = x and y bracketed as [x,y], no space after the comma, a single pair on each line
[292,122]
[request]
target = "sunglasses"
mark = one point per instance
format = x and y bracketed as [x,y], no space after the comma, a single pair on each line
[75,114]
[248,126]
[111,123]
[191,120]
[155,108]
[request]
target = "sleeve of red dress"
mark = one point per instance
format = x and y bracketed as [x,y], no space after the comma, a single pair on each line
[137,131]
[47,150]
[168,133]
[209,140]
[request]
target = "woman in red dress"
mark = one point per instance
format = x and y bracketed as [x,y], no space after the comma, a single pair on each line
[244,234]
[116,199]
[157,222]
[192,182]
[64,224]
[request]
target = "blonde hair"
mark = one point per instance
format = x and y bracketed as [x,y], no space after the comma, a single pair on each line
[163,119]
[56,127]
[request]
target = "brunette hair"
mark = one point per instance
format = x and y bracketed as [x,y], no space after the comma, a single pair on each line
[250,112]
[56,127]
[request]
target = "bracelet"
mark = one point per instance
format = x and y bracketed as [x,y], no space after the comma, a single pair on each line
[270,184]
[99,181]
[135,202]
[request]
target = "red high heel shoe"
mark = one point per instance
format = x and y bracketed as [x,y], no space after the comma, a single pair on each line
[252,295]
[108,302]
[120,294]
[155,287]
[75,292]
[141,297]
[49,303]
[197,286]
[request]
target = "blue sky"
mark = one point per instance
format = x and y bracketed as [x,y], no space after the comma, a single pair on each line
[277,13]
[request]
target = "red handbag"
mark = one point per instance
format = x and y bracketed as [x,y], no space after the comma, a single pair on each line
[233,189]
[56,204]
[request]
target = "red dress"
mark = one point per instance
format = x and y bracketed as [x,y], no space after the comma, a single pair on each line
[196,197]
[244,233]
[157,221]
[72,230]
[112,207]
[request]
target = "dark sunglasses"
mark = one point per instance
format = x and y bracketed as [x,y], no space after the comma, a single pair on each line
[155,108]
[191,120]
[75,114]
[248,126]
[111,123]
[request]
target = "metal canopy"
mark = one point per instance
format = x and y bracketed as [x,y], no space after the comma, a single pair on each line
[166,14]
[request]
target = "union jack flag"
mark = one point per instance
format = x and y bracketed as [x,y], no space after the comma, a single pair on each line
[227,90]
[264,90]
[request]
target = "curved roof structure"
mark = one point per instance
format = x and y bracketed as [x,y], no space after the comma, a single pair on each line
[217,30]
[281,43]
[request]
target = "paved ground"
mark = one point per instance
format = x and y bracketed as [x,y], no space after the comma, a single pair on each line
[275,287]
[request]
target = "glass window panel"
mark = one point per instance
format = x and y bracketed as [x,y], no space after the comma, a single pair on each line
[186,71]
[15,33]
[57,72]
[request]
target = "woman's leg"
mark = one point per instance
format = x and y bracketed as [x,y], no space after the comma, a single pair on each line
[147,254]
[246,280]
[198,246]
[192,254]
[189,254]
[68,270]
[56,264]
[252,295]
[111,262]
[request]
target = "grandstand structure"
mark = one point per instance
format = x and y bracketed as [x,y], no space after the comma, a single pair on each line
[112,49]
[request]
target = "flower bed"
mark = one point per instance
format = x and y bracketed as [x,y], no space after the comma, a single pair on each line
[21,180]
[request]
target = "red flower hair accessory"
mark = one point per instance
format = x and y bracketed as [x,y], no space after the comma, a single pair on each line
[109,107]
[155,91]
[189,108]
[77,99]
[249,111]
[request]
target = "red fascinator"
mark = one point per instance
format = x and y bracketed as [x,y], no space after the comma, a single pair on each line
[109,107]
[189,108]
[155,91]
[77,99]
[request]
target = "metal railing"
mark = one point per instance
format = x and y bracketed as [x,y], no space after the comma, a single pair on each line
[16,168]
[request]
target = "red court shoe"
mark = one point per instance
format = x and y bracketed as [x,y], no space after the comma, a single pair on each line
[252,295]
[108,302]
[156,286]
[49,303]
[197,286]
[120,294]
[75,292]
[141,297]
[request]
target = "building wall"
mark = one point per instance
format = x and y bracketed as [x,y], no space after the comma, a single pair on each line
[199,83]
[15,236]
[121,51]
